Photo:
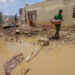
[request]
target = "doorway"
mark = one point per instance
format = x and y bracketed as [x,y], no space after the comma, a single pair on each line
[32,16]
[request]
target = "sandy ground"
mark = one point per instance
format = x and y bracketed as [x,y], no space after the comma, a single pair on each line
[56,59]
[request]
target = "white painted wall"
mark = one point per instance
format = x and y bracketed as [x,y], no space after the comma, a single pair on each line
[46,14]
[47,10]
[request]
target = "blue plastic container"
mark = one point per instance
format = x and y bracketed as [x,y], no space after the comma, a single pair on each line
[13,25]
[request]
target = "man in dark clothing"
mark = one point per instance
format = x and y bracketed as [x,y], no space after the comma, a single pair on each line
[58,26]
[16,18]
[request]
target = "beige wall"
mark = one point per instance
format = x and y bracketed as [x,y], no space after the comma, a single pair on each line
[45,15]
[23,15]
[47,10]
[68,16]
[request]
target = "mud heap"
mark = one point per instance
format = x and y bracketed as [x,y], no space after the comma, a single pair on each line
[66,34]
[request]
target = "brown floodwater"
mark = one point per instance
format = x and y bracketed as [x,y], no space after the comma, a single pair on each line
[52,60]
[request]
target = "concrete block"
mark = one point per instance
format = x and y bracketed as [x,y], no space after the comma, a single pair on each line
[16,66]
[44,40]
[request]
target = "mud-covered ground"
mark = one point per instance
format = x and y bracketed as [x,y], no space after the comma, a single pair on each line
[56,59]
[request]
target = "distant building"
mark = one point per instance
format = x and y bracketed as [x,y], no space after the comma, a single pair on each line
[41,13]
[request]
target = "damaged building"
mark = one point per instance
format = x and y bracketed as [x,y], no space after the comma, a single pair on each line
[41,13]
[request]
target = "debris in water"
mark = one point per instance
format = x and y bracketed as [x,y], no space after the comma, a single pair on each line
[16,66]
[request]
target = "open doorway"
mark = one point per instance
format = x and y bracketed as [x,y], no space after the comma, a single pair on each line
[32,16]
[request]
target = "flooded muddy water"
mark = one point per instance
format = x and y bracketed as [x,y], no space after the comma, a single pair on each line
[52,60]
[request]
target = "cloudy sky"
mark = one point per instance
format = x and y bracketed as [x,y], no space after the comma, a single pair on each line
[11,7]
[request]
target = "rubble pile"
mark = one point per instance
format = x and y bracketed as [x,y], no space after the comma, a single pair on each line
[26,29]
[22,29]
[11,66]
[66,35]
[69,29]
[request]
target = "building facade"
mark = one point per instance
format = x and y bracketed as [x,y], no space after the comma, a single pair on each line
[41,13]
